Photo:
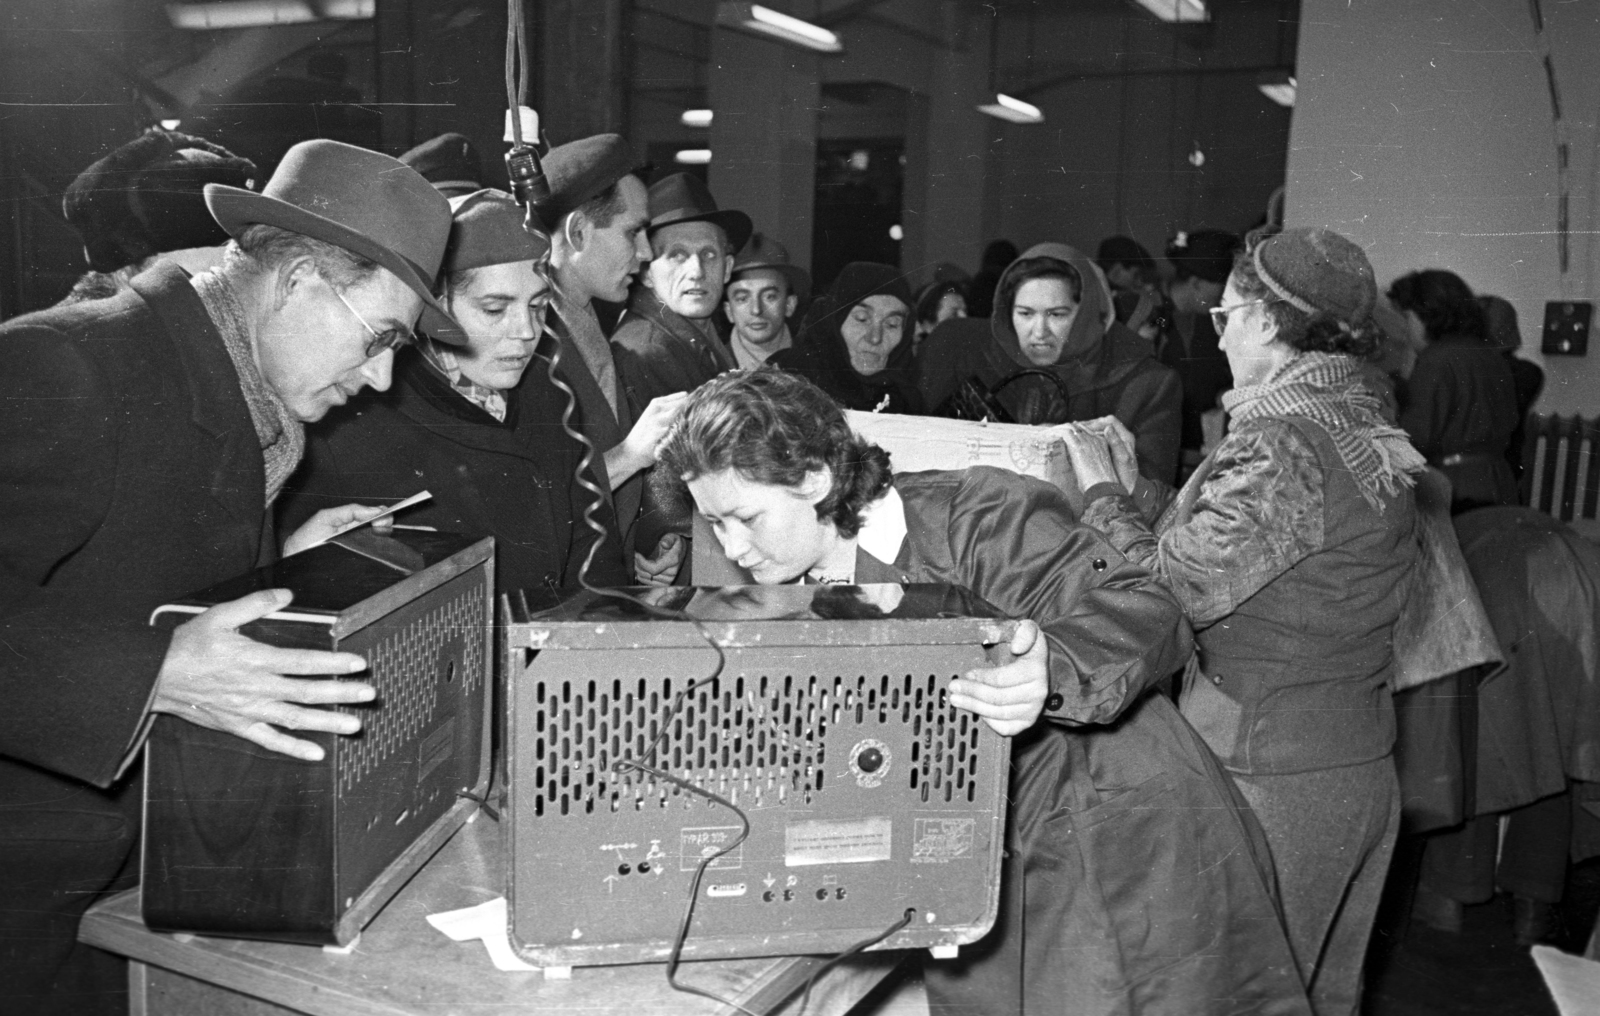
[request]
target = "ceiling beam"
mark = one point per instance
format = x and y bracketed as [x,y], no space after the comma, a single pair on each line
[844,12]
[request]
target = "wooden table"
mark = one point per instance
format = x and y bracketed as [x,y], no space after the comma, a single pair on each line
[402,966]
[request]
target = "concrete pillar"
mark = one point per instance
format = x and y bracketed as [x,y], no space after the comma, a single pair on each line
[581,49]
[958,141]
[764,136]
[439,72]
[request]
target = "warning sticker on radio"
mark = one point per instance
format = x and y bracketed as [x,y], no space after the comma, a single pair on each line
[865,839]
[699,842]
[939,840]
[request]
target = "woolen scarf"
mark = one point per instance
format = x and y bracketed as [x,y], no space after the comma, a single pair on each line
[1328,389]
[282,436]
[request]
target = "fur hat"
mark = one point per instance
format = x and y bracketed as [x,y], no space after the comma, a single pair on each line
[146,198]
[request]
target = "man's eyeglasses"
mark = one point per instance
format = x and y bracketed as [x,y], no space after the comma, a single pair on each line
[1219,315]
[390,338]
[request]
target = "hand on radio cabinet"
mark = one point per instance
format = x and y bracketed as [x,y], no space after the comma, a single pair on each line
[215,677]
[1009,697]
[1122,445]
[325,523]
[1092,461]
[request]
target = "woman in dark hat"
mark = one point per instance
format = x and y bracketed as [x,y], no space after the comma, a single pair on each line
[1460,402]
[1185,340]
[937,303]
[1053,314]
[1291,549]
[479,426]
[855,342]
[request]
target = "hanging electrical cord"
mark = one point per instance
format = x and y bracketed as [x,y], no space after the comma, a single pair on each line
[531,189]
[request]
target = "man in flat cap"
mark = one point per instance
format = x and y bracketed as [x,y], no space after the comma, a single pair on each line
[763,294]
[145,200]
[597,215]
[145,437]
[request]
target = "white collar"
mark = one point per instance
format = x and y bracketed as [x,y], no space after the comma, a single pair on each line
[883,527]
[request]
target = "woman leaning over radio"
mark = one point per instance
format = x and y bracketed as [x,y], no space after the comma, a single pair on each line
[1289,549]
[1123,830]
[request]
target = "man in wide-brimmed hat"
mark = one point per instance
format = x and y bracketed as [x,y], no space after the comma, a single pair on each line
[764,292]
[666,344]
[597,215]
[146,436]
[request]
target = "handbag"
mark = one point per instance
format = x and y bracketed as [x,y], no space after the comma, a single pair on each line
[973,400]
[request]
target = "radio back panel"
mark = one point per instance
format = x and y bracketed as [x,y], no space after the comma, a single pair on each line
[827,724]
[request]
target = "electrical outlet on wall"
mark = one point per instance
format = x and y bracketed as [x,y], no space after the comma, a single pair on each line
[1566,328]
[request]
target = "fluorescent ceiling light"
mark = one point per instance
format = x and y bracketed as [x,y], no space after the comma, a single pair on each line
[348,10]
[1177,11]
[239,14]
[693,156]
[696,118]
[170,125]
[776,25]
[1280,91]
[1014,110]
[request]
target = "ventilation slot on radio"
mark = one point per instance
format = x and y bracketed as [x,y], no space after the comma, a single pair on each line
[757,740]
[407,665]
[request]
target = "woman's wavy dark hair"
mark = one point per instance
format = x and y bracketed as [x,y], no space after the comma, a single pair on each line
[1309,333]
[1443,301]
[771,427]
[1027,271]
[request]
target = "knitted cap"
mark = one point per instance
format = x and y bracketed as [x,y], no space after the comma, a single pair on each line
[147,198]
[486,229]
[1316,270]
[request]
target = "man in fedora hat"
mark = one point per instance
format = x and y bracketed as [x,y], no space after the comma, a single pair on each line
[145,437]
[666,343]
[597,214]
[763,293]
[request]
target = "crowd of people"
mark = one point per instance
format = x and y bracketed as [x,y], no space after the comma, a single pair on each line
[1204,797]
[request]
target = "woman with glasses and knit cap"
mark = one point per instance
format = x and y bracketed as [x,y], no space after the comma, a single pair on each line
[1290,548]
[479,426]
[1136,881]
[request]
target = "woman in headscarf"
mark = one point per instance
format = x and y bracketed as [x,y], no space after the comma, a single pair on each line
[1291,549]
[855,343]
[1136,881]
[1053,314]
[477,426]
[937,303]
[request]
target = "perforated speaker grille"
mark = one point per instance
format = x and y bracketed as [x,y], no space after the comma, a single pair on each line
[407,667]
[758,740]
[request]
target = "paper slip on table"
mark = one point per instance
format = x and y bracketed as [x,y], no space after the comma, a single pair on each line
[402,966]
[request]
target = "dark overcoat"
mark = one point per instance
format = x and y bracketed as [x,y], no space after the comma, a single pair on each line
[513,480]
[130,474]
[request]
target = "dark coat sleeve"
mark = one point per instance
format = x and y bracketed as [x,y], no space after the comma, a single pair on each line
[946,359]
[1151,406]
[1114,632]
[75,684]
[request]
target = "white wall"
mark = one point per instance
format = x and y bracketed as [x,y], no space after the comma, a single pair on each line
[1424,131]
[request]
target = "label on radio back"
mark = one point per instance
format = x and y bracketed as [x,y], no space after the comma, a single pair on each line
[699,842]
[850,842]
[942,839]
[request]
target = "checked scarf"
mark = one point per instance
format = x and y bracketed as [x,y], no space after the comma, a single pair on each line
[1327,388]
